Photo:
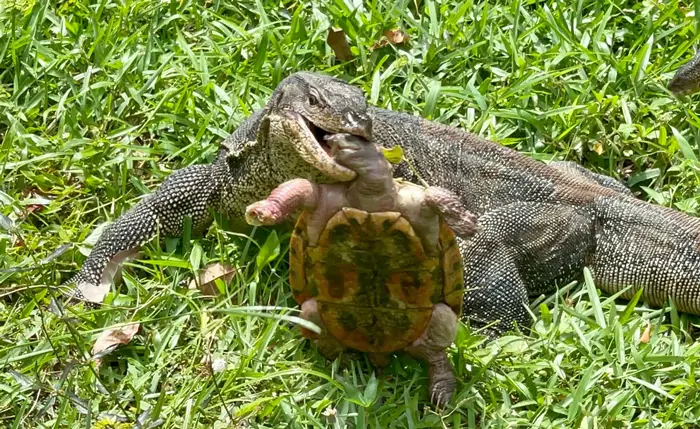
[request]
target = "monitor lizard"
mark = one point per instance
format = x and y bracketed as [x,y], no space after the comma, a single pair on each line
[541,223]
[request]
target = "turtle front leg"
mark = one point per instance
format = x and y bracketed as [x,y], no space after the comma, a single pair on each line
[430,347]
[329,347]
[283,201]
[448,205]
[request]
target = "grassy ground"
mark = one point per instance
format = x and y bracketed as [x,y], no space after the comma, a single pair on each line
[101,100]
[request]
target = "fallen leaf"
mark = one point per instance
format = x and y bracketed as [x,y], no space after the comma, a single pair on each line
[338,42]
[206,280]
[395,36]
[646,335]
[393,155]
[37,202]
[111,339]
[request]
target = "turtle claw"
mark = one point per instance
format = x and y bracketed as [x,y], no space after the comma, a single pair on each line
[441,391]
[440,399]
[436,398]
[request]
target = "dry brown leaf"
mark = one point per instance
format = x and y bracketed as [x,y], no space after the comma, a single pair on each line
[42,202]
[207,278]
[646,335]
[395,36]
[111,338]
[339,43]
[33,208]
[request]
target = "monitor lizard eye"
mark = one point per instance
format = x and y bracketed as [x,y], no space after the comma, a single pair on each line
[313,100]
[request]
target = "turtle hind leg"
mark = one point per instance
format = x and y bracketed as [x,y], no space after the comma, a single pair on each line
[430,347]
[326,344]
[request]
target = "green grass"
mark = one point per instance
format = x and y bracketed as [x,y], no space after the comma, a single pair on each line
[100,101]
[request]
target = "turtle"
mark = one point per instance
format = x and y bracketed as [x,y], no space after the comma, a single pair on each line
[374,262]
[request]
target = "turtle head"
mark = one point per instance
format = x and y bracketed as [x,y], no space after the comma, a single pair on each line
[358,154]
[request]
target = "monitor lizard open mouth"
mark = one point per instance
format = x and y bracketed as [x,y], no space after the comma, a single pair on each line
[320,135]
[309,141]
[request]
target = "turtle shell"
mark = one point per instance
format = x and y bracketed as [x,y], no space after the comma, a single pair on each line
[373,281]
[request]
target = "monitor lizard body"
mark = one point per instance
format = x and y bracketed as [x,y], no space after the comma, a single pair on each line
[541,224]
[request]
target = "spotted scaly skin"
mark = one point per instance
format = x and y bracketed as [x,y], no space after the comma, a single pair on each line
[163,210]
[542,224]
[251,162]
[686,81]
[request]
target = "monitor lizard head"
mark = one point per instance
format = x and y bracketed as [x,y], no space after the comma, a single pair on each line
[307,107]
